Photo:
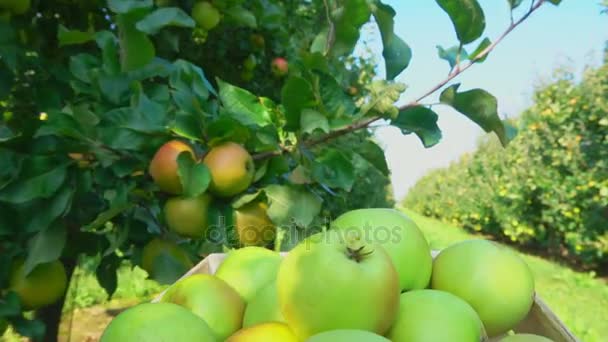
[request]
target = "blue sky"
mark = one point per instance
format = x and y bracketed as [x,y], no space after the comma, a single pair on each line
[571,35]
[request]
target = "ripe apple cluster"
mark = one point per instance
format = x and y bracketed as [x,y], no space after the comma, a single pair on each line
[348,284]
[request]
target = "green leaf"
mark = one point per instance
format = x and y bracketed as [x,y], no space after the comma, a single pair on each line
[383,97]
[467,16]
[225,128]
[194,176]
[312,120]
[46,246]
[348,20]
[397,54]
[336,102]
[480,48]
[6,134]
[82,66]
[333,169]
[371,152]
[106,273]
[106,216]
[49,209]
[10,305]
[241,16]
[60,124]
[515,3]
[245,198]
[188,125]
[126,6]
[419,120]
[163,17]
[243,105]
[40,186]
[136,49]
[479,106]
[31,328]
[290,205]
[296,95]
[451,55]
[73,37]
[555,2]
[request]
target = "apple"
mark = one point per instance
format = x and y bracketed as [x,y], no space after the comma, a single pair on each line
[346,335]
[337,281]
[279,67]
[43,286]
[249,269]
[231,168]
[210,298]
[205,15]
[252,224]
[250,62]
[525,338]
[495,281]
[257,41]
[431,315]
[153,249]
[265,332]
[264,307]
[352,91]
[163,167]
[399,236]
[187,216]
[157,322]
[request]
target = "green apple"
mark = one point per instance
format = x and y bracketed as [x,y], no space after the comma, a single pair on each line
[346,335]
[157,247]
[431,315]
[399,236]
[231,168]
[157,322]
[334,281]
[264,307]
[187,216]
[205,15]
[265,332]
[210,298]
[495,281]
[43,286]
[249,269]
[163,167]
[525,338]
[252,224]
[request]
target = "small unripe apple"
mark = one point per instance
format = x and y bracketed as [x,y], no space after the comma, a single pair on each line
[155,248]
[205,15]
[257,40]
[279,67]
[352,91]
[253,225]
[163,167]
[250,62]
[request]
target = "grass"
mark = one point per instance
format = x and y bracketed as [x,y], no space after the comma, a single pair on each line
[579,299]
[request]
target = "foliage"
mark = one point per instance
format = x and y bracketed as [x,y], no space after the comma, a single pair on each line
[90,90]
[580,299]
[549,189]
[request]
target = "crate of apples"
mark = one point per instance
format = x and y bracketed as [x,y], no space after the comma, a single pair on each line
[370,278]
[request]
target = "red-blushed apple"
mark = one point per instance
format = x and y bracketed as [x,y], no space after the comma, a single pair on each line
[231,168]
[431,315]
[163,167]
[336,281]
[279,67]
[495,281]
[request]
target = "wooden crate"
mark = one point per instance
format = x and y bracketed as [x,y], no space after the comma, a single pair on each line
[540,320]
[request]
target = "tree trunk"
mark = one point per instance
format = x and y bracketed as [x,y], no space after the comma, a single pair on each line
[51,315]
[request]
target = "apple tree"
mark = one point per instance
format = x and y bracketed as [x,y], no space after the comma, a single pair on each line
[93,91]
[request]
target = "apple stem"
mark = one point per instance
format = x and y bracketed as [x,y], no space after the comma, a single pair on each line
[357,254]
